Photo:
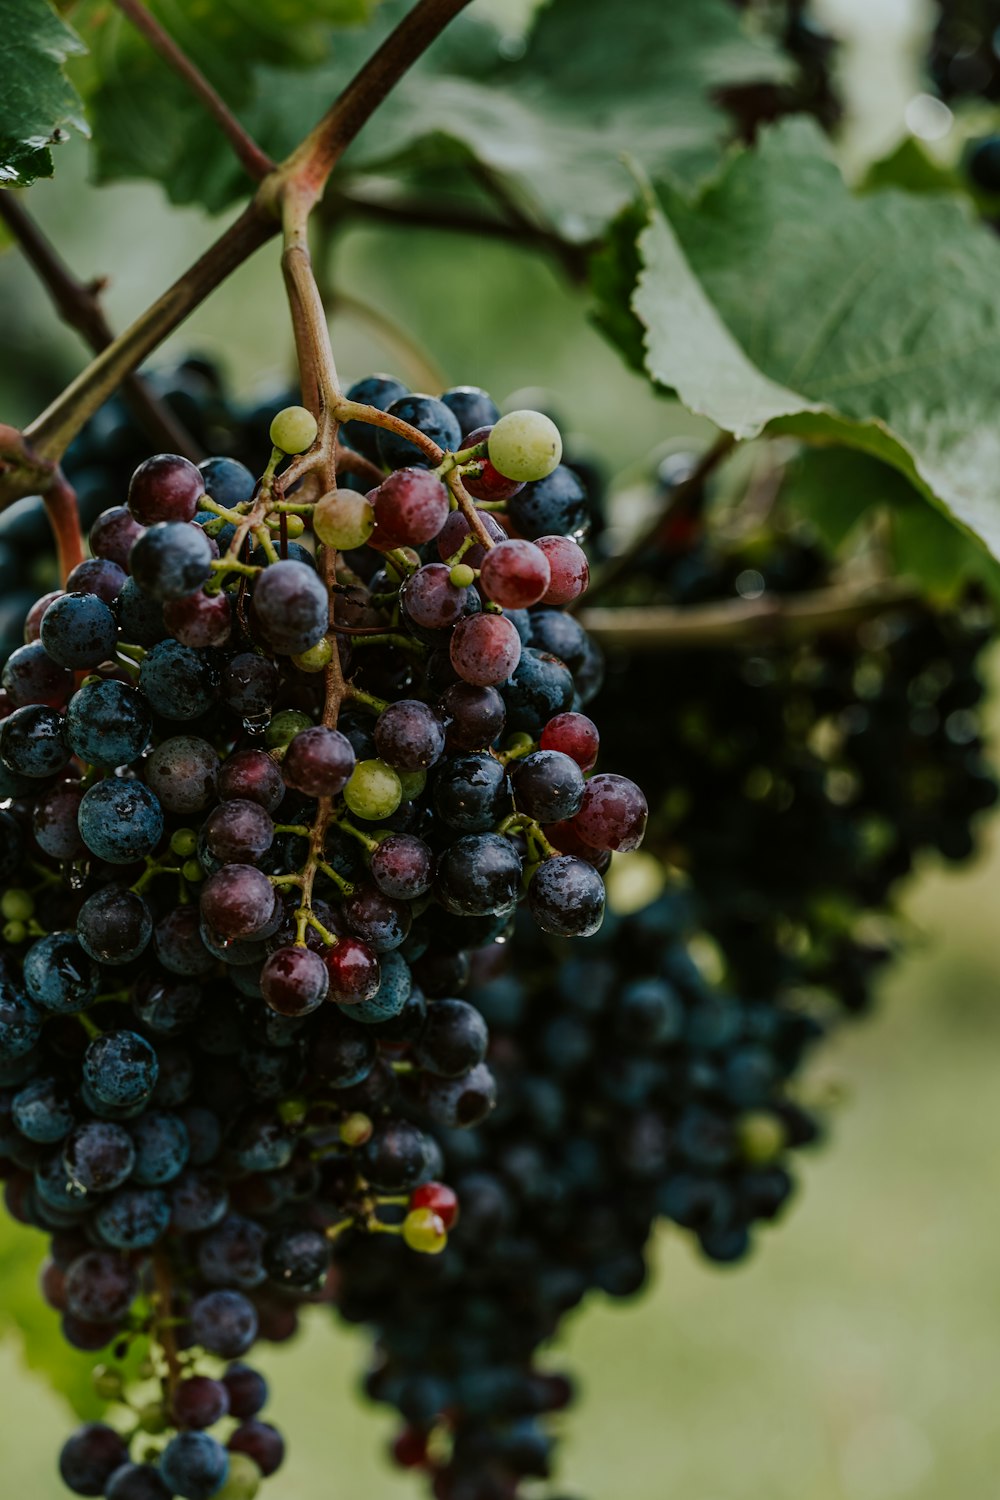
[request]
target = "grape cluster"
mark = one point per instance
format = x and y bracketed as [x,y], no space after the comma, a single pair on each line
[272,762]
[964,60]
[797,781]
[632,1089]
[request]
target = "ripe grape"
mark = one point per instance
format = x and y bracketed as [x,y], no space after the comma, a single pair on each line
[410,507]
[485,649]
[318,762]
[170,560]
[435,420]
[570,571]
[165,487]
[515,574]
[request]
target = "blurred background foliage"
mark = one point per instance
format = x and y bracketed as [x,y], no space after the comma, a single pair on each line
[856,1356]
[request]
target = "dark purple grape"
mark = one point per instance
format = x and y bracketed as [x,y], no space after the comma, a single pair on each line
[409,735]
[378,920]
[548,786]
[294,981]
[199,1402]
[114,925]
[200,620]
[120,821]
[31,676]
[113,534]
[224,1323]
[238,901]
[260,1442]
[453,1040]
[79,630]
[165,487]
[169,561]
[612,813]
[108,724]
[402,867]
[298,1257]
[474,716]
[396,1157]
[251,775]
[291,607]
[431,417]
[250,684]
[430,599]
[183,771]
[54,822]
[194,1465]
[247,1391]
[318,762]
[238,832]
[33,741]
[178,682]
[99,1156]
[136,1482]
[101,1287]
[460,1103]
[566,897]
[90,1457]
[479,875]
[178,943]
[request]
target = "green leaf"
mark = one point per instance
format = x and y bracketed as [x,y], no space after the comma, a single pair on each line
[837,489]
[911,167]
[778,301]
[552,125]
[146,121]
[37,102]
[23,1313]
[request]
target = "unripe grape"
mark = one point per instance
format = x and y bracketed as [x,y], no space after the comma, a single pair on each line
[294,430]
[285,726]
[243,1480]
[762,1137]
[17,905]
[317,658]
[462,576]
[525,445]
[356,1129]
[343,519]
[374,790]
[424,1232]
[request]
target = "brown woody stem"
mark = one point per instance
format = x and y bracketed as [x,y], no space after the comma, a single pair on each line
[733,623]
[64,518]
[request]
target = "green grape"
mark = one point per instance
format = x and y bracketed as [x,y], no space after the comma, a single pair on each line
[242,1481]
[14,932]
[412,783]
[192,871]
[343,519]
[294,429]
[316,658]
[17,905]
[423,1231]
[285,726]
[108,1383]
[374,790]
[462,576]
[184,842]
[525,446]
[356,1129]
[762,1137]
[153,1418]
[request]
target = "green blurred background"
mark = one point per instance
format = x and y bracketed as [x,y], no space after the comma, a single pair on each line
[857,1355]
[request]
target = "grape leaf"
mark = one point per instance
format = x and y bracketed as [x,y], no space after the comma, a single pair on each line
[146,121]
[837,489]
[24,1314]
[37,101]
[553,124]
[778,300]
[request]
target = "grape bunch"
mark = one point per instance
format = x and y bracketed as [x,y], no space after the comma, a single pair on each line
[274,760]
[797,781]
[632,1089]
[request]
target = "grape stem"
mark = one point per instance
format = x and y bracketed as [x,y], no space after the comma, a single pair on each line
[79,305]
[467,506]
[255,162]
[164,1323]
[740,622]
[64,519]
